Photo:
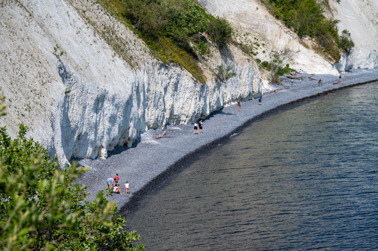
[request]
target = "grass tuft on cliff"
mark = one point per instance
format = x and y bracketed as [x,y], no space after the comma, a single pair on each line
[177,31]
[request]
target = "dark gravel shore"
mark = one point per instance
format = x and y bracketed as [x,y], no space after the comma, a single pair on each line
[146,164]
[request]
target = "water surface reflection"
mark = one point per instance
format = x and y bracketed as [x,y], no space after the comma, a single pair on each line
[305,178]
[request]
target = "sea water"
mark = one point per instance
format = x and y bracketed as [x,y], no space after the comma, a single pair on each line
[299,179]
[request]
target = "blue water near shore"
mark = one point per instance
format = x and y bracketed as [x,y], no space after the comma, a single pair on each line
[304,178]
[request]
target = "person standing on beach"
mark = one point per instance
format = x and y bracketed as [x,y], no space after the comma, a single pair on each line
[320,82]
[116,178]
[239,106]
[195,128]
[127,186]
[110,182]
[260,99]
[339,81]
[200,124]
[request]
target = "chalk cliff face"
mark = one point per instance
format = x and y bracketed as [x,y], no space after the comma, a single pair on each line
[81,97]
[360,18]
[267,35]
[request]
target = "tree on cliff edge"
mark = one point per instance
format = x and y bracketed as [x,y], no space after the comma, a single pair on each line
[41,208]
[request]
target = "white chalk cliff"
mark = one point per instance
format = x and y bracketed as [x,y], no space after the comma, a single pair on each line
[81,97]
[360,18]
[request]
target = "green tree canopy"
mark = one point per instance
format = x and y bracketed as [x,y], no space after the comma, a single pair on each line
[345,41]
[41,206]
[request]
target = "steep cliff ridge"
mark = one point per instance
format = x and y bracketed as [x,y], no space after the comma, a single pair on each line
[81,98]
[259,27]
[360,17]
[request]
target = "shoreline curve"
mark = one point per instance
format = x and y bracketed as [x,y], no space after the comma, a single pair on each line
[152,160]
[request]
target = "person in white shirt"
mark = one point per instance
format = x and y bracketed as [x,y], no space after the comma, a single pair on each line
[195,128]
[127,186]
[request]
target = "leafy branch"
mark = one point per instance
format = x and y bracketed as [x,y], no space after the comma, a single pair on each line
[42,208]
[222,74]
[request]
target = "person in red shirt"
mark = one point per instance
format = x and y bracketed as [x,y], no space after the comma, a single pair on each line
[116,178]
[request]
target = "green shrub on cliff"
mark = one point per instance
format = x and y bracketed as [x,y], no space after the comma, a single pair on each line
[222,74]
[180,20]
[345,42]
[220,32]
[306,18]
[174,29]
[2,106]
[41,208]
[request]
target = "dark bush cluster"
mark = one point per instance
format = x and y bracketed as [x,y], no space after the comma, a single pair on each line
[180,20]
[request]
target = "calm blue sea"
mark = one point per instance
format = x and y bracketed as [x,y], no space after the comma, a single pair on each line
[301,179]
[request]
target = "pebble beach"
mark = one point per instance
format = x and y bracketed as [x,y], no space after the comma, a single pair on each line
[160,152]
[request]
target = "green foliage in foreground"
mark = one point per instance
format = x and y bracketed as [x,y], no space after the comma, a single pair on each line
[173,29]
[306,17]
[41,208]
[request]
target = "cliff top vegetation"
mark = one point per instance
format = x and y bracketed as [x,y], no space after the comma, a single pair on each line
[306,18]
[177,31]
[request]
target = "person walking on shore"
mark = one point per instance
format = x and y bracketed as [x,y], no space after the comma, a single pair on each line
[200,125]
[339,81]
[127,186]
[110,182]
[260,99]
[195,128]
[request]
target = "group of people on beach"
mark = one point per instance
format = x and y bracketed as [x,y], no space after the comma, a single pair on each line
[114,187]
[300,81]
[198,127]
[320,82]
[239,105]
